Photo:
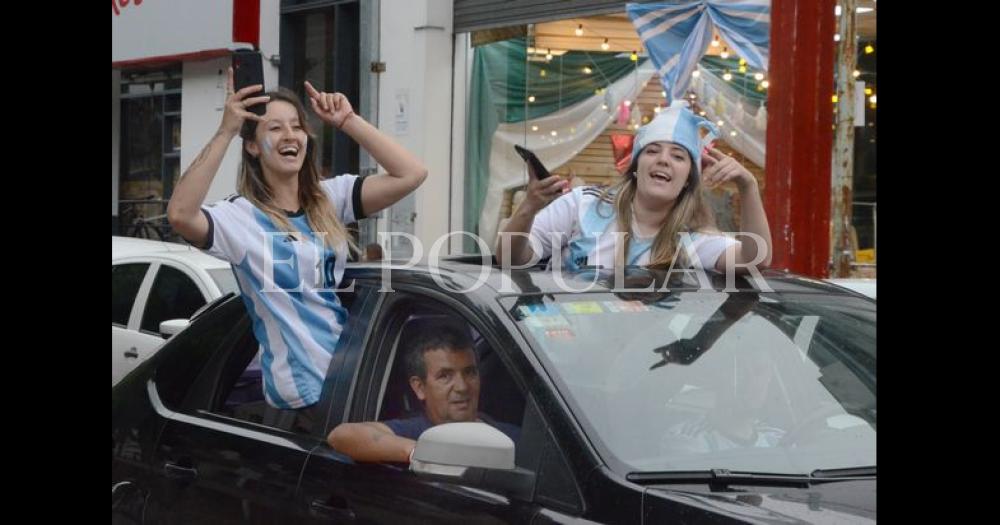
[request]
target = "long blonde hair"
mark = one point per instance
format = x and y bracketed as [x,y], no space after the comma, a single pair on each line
[689,214]
[318,208]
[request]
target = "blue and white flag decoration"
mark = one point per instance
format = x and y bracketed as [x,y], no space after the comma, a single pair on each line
[676,34]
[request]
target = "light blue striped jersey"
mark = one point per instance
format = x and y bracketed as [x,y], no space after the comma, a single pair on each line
[287,286]
[582,229]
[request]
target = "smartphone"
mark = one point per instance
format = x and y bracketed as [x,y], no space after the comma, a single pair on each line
[530,158]
[248,70]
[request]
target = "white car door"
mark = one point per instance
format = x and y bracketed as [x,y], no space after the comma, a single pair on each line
[173,294]
[130,284]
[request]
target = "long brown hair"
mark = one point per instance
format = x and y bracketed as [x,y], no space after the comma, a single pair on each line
[318,208]
[689,214]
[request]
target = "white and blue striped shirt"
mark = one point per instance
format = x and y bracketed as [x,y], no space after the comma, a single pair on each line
[287,286]
[581,227]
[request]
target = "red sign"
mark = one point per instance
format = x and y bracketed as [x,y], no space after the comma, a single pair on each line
[115,4]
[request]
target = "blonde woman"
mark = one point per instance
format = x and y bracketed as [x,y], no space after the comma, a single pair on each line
[657,200]
[284,230]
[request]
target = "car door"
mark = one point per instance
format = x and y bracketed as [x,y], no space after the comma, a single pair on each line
[173,294]
[127,282]
[143,402]
[226,455]
[343,491]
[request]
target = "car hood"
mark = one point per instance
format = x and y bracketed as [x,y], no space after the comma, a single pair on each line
[833,502]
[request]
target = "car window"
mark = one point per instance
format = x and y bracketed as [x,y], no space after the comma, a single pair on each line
[173,296]
[125,282]
[502,401]
[185,356]
[240,393]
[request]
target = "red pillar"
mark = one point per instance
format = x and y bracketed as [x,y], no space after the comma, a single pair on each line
[800,134]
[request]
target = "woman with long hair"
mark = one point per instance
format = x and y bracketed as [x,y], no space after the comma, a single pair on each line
[655,216]
[284,230]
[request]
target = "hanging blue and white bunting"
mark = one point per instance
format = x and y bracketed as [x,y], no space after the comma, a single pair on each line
[676,34]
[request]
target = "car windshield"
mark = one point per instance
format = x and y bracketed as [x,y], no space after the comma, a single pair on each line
[680,381]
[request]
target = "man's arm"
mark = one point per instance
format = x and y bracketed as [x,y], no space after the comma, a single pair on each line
[371,441]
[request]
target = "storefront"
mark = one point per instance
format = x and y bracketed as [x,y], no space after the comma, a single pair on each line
[572,81]
[169,62]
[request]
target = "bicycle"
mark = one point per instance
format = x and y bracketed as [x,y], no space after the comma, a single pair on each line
[149,227]
[135,224]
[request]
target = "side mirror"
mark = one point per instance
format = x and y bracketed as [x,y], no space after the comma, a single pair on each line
[471,453]
[450,448]
[173,327]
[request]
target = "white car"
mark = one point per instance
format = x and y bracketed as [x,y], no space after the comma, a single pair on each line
[153,282]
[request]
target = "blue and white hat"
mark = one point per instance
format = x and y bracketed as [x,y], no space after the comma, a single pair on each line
[679,125]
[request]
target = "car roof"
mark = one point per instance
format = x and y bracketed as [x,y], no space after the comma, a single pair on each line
[540,280]
[123,248]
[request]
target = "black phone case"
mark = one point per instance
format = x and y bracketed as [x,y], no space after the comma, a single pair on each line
[248,69]
[530,157]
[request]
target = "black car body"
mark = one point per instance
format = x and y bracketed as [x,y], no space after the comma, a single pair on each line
[192,440]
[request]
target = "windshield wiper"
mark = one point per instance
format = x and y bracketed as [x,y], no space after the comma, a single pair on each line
[725,477]
[841,473]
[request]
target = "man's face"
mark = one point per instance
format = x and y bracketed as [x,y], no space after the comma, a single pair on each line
[450,391]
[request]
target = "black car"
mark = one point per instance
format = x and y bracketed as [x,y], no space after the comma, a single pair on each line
[653,400]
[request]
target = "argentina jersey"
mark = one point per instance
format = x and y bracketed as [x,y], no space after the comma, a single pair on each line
[287,285]
[581,228]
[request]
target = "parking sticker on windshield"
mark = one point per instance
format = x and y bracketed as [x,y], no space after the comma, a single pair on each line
[547,321]
[582,307]
[625,306]
[564,334]
[528,310]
